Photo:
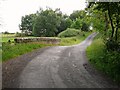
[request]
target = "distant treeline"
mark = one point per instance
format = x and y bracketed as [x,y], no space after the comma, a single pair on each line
[51,22]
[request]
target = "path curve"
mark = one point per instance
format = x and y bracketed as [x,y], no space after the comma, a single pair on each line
[63,67]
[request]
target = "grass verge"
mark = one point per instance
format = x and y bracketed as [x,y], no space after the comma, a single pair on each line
[12,50]
[107,62]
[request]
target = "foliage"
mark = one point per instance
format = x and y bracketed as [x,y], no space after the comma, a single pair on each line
[107,62]
[51,22]
[112,45]
[84,27]
[77,14]
[26,25]
[77,24]
[46,23]
[111,17]
[64,24]
[69,33]
[80,20]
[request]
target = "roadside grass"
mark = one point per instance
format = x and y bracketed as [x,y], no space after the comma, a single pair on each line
[107,62]
[66,41]
[12,50]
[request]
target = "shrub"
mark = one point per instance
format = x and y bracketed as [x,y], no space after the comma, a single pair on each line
[106,61]
[69,33]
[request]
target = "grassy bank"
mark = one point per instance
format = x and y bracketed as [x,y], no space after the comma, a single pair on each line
[107,62]
[10,51]
[74,40]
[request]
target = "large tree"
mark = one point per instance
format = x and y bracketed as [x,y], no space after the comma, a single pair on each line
[111,11]
[65,22]
[46,23]
[77,14]
[80,20]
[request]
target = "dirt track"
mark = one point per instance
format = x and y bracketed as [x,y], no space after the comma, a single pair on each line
[54,67]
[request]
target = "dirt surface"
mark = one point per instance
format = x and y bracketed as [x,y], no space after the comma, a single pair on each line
[54,67]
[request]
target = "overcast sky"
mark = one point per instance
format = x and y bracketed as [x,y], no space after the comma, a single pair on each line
[11,11]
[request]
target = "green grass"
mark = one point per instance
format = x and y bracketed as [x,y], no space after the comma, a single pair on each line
[107,62]
[5,39]
[10,51]
[74,40]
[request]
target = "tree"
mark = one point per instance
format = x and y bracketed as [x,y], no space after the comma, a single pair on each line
[26,25]
[65,22]
[77,24]
[80,20]
[77,14]
[85,27]
[46,23]
[112,11]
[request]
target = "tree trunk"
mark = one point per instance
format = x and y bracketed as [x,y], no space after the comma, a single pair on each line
[117,21]
[106,23]
[116,32]
[111,21]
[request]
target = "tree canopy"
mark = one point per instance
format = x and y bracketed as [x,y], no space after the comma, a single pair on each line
[46,23]
[110,18]
[51,22]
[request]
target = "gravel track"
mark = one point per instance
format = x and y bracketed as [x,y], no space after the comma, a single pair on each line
[55,67]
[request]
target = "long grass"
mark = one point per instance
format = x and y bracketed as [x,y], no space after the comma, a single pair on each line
[107,62]
[10,51]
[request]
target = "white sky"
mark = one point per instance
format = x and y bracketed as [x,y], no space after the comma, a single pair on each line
[11,11]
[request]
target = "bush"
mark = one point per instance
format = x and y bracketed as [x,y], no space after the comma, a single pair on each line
[69,33]
[112,45]
[106,61]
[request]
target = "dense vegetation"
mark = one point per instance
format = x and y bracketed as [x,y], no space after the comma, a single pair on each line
[104,53]
[107,62]
[51,22]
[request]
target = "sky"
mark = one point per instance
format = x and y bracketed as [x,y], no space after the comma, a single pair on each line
[11,11]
